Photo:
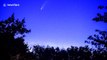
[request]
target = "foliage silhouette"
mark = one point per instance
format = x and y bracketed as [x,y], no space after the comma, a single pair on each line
[12,43]
[101,17]
[72,53]
[100,39]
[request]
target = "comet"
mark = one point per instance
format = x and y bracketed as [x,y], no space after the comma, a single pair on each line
[43,5]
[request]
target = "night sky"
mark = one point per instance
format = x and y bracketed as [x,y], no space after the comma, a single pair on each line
[59,23]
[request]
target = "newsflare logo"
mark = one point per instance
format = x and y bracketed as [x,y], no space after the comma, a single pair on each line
[11,5]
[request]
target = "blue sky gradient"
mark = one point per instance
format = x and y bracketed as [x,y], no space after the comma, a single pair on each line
[59,23]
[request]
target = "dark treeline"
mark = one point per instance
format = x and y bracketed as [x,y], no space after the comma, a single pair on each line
[12,46]
[71,53]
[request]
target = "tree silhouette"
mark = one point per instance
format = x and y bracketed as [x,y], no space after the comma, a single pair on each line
[100,39]
[12,43]
[101,17]
[72,53]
